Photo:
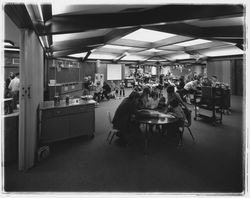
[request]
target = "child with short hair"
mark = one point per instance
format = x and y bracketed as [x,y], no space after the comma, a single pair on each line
[153,101]
[177,110]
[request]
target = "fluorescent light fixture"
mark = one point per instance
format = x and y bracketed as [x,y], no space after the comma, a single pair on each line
[101,56]
[6,43]
[147,35]
[40,12]
[133,57]
[193,42]
[154,50]
[42,42]
[78,55]
[156,60]
[225,51]
[12,49]
[180,56]
[116,47]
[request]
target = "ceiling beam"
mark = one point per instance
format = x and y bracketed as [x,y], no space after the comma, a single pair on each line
[19,15]
[47,15]
[77,43]
[168,14]
[71,51]
[86,56]
[118,33]
[223,31]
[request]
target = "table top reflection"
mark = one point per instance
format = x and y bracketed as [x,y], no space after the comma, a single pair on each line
[147,116]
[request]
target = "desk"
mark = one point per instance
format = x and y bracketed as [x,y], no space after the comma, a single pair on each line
[152,117]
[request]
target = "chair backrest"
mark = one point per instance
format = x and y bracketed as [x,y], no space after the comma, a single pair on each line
[109,117]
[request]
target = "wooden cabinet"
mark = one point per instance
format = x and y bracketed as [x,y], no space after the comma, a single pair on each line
[11,138]
[55,128]
[66,121]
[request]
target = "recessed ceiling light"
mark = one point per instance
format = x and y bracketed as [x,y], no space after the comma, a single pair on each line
[101,56]
[155,60]
[148,35]
[79,55]
[12,49]
[225,51]
[154,50]
[8,43]
[133,57]
[193,42]
[116,47]
[180,56]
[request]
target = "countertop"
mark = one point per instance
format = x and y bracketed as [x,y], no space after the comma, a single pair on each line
[72,102]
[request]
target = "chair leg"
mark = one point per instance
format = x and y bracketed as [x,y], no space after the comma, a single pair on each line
[108,135]
[191,133]
[180,142]
[111,138]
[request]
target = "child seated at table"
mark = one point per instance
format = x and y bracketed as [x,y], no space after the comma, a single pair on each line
[174,129]
[153,101]
[162,106]
[177,111]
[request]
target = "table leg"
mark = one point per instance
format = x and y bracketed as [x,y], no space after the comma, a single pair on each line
[146,140]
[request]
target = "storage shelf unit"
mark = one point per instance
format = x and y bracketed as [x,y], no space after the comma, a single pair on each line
[65,121]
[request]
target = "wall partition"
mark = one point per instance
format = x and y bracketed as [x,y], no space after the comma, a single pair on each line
[31,94]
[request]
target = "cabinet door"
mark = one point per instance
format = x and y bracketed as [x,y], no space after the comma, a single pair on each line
[82,123]
[54,129]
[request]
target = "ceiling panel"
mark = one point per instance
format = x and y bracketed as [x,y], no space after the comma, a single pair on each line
[155,31]
[80,35]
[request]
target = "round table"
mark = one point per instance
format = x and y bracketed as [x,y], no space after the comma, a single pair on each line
[150,118]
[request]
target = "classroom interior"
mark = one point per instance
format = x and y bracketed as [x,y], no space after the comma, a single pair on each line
[56,132]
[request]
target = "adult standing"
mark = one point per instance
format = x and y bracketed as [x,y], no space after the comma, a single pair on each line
[123,115]
[189,88]
[7,83]
[14,89]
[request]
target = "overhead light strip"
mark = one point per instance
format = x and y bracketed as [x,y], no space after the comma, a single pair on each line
[40,12]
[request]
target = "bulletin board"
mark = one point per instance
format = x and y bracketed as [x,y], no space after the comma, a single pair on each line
[114,71]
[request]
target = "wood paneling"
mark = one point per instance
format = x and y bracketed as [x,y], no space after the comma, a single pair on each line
[228,71]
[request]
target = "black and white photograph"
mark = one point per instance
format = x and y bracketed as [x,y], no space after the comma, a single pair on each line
[124,98]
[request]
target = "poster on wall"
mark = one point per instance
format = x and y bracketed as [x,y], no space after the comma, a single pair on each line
[99,77]
[102,79]
[114,71]
[153,71]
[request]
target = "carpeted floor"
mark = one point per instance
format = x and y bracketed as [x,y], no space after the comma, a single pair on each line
[213,165]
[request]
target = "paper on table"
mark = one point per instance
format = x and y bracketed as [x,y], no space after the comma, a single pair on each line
[166,115]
